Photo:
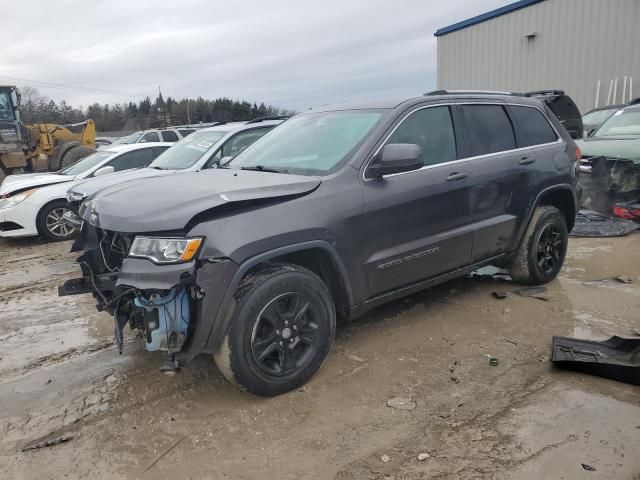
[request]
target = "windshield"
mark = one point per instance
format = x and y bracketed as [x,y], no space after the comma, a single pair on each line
[187,151]
[312,144]
[129,139]
[596,118]
[6,110]
[86,163]
[621,123]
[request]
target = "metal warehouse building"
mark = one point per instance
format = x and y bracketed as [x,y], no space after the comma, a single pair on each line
[589,48]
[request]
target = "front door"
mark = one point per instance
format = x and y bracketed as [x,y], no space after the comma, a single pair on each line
[415,221]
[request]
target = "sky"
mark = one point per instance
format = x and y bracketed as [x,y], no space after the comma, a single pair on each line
[294,54]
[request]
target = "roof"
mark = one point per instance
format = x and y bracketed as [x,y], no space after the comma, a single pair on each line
[486,16]
[236,126]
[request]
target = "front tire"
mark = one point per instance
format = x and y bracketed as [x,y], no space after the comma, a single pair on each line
[542,251]
[281,330]
[50,224]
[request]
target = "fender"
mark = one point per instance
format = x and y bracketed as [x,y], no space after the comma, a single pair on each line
[536,203]
[225,312]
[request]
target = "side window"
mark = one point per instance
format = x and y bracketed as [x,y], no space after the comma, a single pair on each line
[150,137]
[432,130]
[136,159]
[532,127]
[169,136]
[187,132]
[242,140]
[488,128]
[236,144]
[158,150]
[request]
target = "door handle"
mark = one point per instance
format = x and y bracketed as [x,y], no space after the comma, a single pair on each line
[527,160]
[457,176]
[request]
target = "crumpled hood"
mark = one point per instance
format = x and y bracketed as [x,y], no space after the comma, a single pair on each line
[93,185]
[169,202]
[611,147]
[25,181]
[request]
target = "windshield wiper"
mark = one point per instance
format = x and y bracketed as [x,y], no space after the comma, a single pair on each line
[261,168]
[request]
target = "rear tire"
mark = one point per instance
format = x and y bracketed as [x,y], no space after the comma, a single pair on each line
[49,222]
[74,154]
[542,251]
[281,330]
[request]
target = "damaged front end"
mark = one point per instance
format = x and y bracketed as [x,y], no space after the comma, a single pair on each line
[158,300]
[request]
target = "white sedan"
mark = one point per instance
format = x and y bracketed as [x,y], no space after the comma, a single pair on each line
[34,203]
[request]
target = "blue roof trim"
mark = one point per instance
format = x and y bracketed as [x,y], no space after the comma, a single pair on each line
[486,16]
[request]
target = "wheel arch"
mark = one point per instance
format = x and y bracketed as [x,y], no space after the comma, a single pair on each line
[42,208]
[563,199]
[317,256]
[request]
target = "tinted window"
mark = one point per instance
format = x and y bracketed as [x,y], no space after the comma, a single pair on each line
[135,159]
[533,127]
[563,107]
[432,130]
[150,137]
[169,136]
[488,128]
[184,133]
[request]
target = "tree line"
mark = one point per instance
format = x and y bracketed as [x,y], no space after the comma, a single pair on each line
[143,114]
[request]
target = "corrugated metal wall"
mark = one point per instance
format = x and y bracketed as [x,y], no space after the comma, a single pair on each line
[578,42]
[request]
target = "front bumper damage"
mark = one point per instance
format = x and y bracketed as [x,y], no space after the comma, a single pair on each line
[174,308]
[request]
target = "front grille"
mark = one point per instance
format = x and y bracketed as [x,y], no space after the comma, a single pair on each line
[106,250]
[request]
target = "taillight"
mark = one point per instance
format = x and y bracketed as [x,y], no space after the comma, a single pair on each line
[578,154]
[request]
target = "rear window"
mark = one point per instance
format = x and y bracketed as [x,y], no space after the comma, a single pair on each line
[488,128]
[533,127]
[169,136]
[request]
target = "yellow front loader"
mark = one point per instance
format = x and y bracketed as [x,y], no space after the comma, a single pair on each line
[38,147]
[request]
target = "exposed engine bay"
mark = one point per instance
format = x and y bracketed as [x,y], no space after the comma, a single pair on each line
[162,317]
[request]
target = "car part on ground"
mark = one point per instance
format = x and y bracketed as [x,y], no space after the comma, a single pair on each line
[616,358]
[333,213]
[595,224]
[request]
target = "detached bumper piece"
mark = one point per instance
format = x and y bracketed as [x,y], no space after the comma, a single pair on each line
[617,358]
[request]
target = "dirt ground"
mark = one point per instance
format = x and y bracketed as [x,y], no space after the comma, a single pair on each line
[62,378]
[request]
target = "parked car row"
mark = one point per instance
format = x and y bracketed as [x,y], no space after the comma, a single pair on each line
[250,241]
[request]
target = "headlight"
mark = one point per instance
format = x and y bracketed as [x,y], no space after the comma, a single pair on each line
[13,200]
[74,196]
[165,250]
[9,135]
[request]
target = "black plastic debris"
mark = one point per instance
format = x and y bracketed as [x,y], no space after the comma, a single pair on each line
[617,358]
[588,467]
[593,224]
[500,295]
[533,292]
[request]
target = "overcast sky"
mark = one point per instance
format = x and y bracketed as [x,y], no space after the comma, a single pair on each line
[290,53]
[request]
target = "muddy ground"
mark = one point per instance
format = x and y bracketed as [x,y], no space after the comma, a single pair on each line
[62,378]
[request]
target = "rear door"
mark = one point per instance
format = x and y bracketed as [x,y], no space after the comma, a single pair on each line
[498,189]
[416,222]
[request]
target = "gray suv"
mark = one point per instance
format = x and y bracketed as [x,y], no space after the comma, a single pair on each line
[327,216]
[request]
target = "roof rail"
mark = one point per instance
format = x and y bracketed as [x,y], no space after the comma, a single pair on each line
[543,92]
[466,92]
[268,117]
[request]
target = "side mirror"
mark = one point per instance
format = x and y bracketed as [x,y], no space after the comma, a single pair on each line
[103,171]
[396,158]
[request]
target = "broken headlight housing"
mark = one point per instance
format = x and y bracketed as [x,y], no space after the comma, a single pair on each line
[165,250]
